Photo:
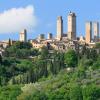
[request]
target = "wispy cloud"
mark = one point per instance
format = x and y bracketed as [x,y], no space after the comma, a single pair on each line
[16,19]
[50,24]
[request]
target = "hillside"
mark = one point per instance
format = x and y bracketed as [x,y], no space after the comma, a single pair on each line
[67,85]
[72,75]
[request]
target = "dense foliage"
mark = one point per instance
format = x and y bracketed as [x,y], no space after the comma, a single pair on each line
[29,74]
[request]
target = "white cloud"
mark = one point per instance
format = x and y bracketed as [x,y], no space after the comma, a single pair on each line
[16,19]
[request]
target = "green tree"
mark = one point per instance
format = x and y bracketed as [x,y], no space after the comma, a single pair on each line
[0,59]
[97,45]
[81,68]
[93,54]
[23,45]
[9,92]
[44,52]
[71,58]
[75,92]
[19,50]
[9,43]
[96,64]
[91,92]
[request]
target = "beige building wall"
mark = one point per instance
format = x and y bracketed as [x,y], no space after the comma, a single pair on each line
[71,26]
[59,27]
[23,36]
[88,32]
[96,31]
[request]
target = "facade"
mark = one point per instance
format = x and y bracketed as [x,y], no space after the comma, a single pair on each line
[59,27]
[50,36]
[82,40]
[96,31]
[61,45]
[23,36]
[4,44]
[37,44]
[72,26]
[41,37]
[88,32]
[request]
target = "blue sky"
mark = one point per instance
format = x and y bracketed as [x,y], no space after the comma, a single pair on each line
[46,12]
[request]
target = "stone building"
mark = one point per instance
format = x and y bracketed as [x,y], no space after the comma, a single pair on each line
[71,26]
[23,36]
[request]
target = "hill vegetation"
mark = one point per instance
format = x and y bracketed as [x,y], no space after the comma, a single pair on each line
[29,74]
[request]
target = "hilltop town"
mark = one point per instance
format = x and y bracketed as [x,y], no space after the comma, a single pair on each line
[64,67]
[63,41]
